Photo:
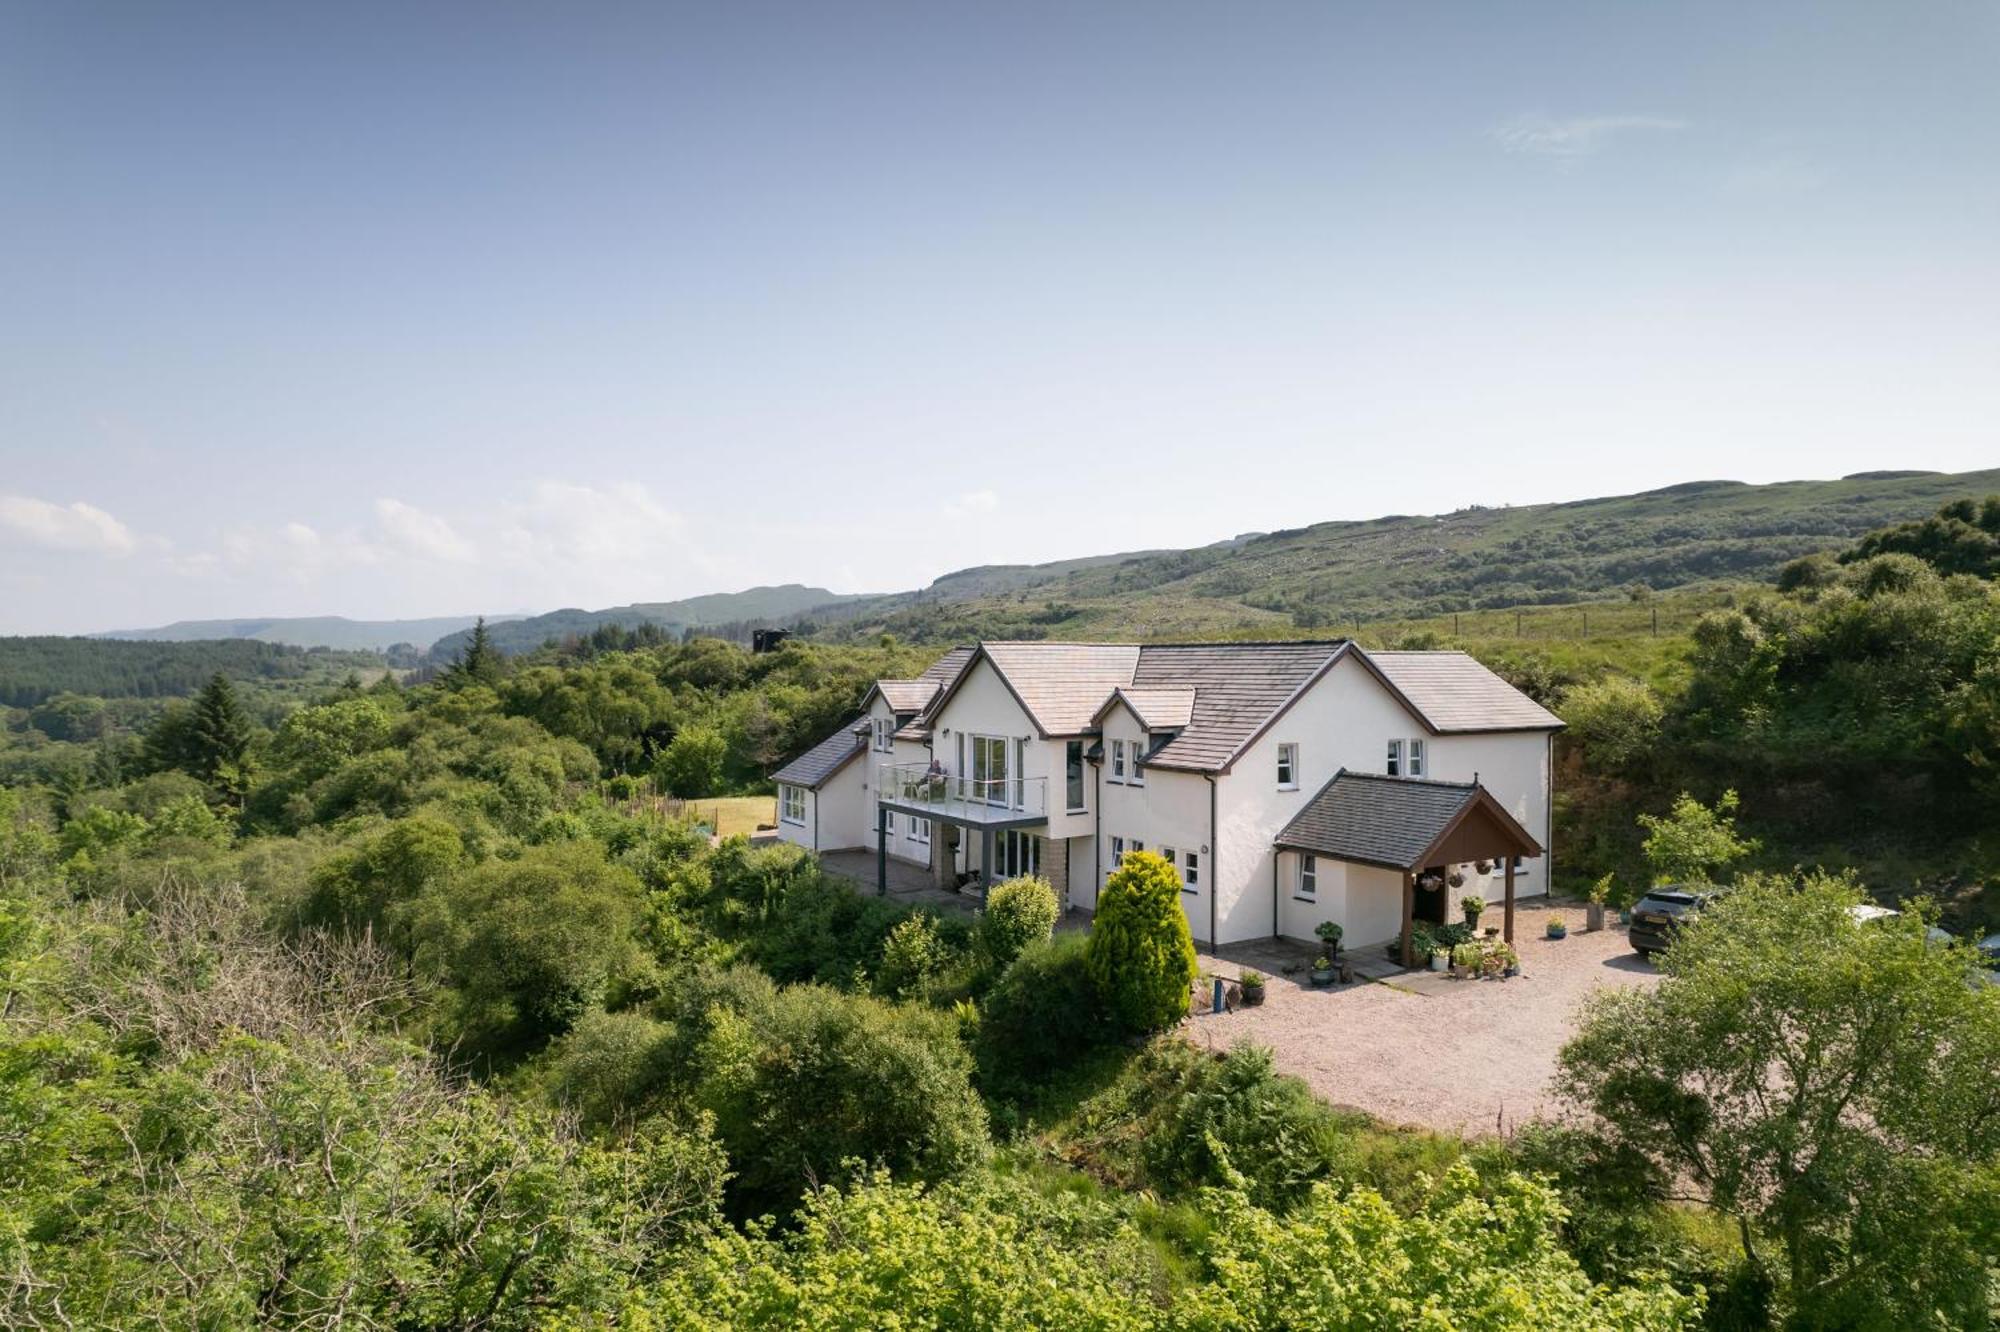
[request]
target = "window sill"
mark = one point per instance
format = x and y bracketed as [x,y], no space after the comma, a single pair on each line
[1283,787]
[1310,901]
[1190,892]
[793,823]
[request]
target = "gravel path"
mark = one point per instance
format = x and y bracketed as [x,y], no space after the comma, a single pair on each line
[1459,1056]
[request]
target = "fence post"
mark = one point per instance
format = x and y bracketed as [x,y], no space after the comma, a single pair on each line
[1656,621]
[1517,624]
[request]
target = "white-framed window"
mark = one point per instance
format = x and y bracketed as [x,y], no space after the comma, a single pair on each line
[1308,876]
[885,734]
[1173,862]
[1117,852]
[1191,877]
[1138,845]
[1016,853]
[1416,758]
[1117,760]
[1288,767]
[889,822]
[792,804]
[1394,767]
[920,830]
[1138,772]
[1073,776]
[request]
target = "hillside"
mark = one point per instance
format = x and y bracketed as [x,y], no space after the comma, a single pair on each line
[1335,573]
[761,604]
[327,631]
[34,670]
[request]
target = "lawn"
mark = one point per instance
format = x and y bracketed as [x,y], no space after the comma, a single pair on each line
[730,815]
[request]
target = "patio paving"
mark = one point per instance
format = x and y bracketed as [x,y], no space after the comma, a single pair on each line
[909,885]
[1472,1056]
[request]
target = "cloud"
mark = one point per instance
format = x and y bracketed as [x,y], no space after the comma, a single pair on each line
[425,535]
[73,527]
[1534,134]
[970,503]
[620,525]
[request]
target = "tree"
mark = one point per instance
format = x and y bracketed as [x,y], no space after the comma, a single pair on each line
[691,766]
[1827,1084]
[478,662]
[218,736]
[1693,843]
[1141,955]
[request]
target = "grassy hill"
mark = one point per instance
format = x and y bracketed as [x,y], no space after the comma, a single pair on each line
[327,631]
[34,670]
[1344,574]
[764,605]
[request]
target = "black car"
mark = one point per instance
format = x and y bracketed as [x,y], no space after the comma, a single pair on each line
[1657,915]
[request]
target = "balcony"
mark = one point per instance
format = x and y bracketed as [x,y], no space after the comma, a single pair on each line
[982,802]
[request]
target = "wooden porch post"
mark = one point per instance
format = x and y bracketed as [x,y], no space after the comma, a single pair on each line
[881,852]
[1409,912]
[1509,931]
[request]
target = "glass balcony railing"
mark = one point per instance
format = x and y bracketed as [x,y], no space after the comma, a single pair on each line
[932,791]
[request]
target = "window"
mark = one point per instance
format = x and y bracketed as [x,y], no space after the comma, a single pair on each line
[1117,760]
[792,807]
[1138,845]
[1395,768]
[1016,853]
[1167,854]
[1073,774]
[920,830]
[1288,767]
[1117,852]
[885,734]
[889,822]
[989,771]
[1191,880]
[1308,877]
[1416,758]
[1138,773]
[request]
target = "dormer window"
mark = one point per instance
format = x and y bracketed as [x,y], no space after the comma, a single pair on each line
[1117,760]
[885,734]
[1138,773]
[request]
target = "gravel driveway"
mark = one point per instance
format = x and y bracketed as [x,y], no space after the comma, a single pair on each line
[1459,1056]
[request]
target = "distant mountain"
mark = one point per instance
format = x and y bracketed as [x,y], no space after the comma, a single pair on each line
[717,609]
[1331,573]
[330,631]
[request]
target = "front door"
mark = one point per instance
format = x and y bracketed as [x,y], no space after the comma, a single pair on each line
[989,770]
[1433,905]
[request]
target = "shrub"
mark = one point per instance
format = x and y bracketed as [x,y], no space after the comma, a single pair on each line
[1615,719]
[806,1083]
[912,956]
[1018,912]
[1236,1122]
[691,766]
[531,944]
[1140,954]
[1042,1017]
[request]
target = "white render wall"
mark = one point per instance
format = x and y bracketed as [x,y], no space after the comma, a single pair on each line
[1170,810]
[1346,721]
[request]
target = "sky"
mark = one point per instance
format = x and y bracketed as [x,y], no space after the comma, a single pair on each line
[386,310]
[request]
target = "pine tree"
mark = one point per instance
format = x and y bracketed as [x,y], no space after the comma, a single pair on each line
[219,735]
[479,661]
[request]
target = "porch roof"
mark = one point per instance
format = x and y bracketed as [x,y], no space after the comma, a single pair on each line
[1405,823]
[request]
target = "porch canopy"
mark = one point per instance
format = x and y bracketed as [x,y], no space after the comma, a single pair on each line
[1410,825]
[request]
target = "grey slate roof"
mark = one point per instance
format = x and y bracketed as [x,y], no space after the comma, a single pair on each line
[1238,689]
[1376,820]
[824,759]
[1453,692]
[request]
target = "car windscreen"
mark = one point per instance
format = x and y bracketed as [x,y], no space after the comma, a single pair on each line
[1674,899]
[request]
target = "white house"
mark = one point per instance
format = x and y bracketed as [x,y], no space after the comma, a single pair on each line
[1289,783]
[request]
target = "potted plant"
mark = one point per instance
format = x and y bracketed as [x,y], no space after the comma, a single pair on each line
[1465,960]
[1440,959]
[1457,879]
[1472,904]
[1251,986]
[1556,929]
[1600,893]
[1329,932]
[1322,972]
